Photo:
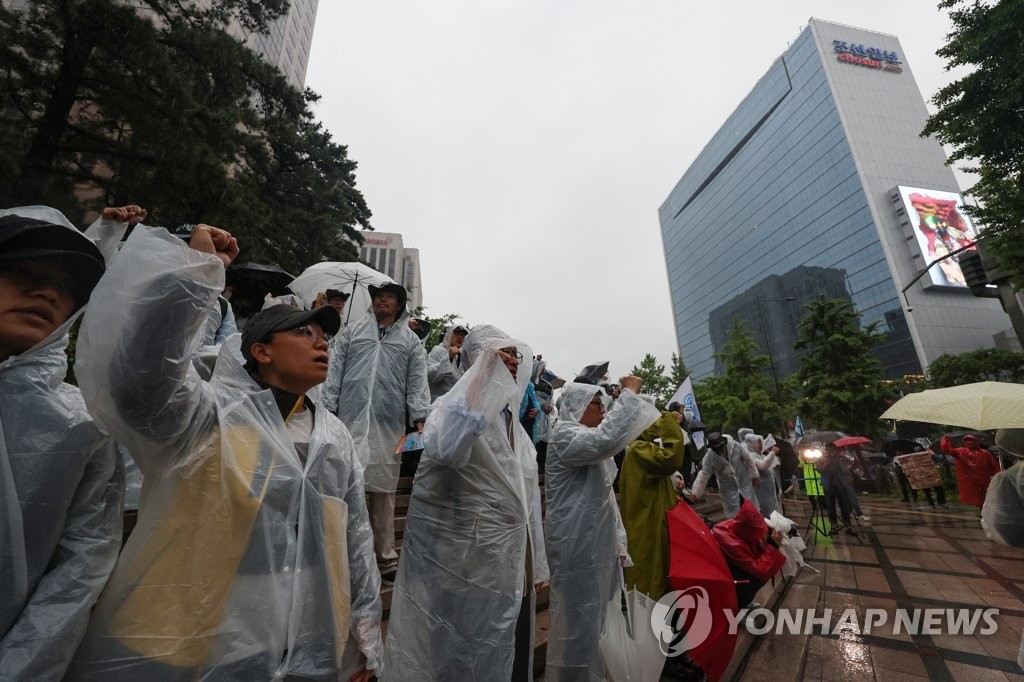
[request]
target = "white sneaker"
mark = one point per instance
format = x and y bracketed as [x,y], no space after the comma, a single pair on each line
[863,518]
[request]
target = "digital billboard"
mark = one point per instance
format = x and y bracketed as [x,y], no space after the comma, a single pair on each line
[940,226]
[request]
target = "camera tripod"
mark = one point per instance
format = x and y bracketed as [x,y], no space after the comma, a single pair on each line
[819,519]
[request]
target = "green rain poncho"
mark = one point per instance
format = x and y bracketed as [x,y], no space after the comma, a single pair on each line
[646,493]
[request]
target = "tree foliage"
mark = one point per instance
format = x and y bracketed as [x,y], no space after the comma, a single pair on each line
[677,371]
[987,364]
[742,396]
[154,103]
[842,382]
[981,116]
[656,382]
[437,325]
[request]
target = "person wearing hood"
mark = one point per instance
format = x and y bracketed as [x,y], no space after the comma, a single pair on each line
[647,493]
[444,361]
[473,549]
[975,467]
[751,558]
[767,463]
[377,386]
[1002,514]
[252,558]
[61,482]
[731,464]
[584,552]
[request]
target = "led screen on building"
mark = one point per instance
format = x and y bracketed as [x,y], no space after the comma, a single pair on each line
[940,226]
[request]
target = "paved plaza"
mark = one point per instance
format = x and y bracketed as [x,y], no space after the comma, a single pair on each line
[908,557]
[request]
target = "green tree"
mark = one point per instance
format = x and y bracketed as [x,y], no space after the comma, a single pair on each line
[677,371]
[987,364]
[842,381]
[437,325]
[980,117]
[741,397]
[155,103]
[656,382]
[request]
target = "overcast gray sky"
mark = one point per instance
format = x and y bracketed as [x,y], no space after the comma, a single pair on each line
[524,147]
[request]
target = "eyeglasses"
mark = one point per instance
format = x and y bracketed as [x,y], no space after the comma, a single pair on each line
[514,353]
[312,334]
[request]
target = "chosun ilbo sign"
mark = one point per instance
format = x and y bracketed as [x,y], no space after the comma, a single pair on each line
[871,57]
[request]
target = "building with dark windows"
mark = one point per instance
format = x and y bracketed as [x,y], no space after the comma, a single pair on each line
[819,182]
[386,252]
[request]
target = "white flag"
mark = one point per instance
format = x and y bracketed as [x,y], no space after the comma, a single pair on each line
[684,396]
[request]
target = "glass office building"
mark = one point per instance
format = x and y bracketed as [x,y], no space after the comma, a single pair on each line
[799,194]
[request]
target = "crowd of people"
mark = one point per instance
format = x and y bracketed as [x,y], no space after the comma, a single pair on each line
[262,445]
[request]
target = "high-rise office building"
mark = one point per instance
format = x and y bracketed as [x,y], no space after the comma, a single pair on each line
[387,253]
[819,182]
[287,44]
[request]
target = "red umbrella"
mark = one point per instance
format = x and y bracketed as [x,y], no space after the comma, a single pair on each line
[850,441]
[697,567]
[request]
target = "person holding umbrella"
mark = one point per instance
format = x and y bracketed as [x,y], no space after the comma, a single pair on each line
[580,525]
[336,299]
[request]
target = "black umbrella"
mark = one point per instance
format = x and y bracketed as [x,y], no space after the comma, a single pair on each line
[260,278]
[592,374]
[900,444]
[819,437]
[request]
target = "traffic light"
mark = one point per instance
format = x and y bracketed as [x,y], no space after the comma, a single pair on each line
[974,270]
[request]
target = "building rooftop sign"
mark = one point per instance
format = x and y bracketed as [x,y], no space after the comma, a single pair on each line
[871,57]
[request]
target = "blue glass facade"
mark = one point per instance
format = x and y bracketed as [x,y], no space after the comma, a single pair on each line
[773,209]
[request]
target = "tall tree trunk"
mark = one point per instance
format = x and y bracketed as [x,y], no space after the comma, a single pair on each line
[80,39]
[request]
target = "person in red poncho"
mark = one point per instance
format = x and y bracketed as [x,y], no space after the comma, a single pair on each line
[975,467]
[751,557]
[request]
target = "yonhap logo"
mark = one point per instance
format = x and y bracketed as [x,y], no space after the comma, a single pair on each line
[682,620]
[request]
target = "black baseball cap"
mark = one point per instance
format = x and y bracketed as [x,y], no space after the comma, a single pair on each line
[282,317]
[23,238]
[716,440]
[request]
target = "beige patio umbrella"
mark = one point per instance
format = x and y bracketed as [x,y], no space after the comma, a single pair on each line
[981,406]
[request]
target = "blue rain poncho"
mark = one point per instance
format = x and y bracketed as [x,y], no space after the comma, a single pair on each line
[247,563]
[735,475]
[581,525]
[442,369]
[473,545]
[60,499]
[377,386]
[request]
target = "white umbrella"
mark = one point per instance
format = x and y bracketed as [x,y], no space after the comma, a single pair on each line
[982,406]
[629,645]
[350,278]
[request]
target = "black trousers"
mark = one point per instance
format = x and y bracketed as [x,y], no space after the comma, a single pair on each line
[521,666]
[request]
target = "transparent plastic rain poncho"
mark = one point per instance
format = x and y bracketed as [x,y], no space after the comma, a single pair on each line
[735,475]
[245,563]
[581,525]
[442,370]
[1002,514]
[60,500]
[377,386]
[473,547]
[767,493]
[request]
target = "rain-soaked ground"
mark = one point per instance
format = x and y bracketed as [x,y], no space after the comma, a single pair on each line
[908,562]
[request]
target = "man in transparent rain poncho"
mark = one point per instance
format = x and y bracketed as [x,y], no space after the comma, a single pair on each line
[60,479]
[731,464]
[377,386]
[444,361]
[581,519]
[252,555]
[473,547]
